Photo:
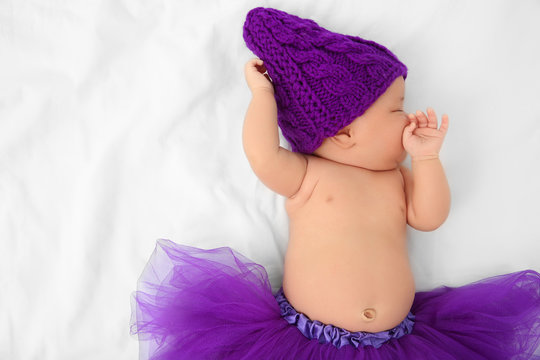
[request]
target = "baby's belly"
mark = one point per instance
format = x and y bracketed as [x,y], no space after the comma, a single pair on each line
[359,284]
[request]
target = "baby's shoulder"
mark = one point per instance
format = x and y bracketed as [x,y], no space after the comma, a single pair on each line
[316,169]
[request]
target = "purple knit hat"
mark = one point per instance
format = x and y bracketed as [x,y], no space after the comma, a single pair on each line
[322,80]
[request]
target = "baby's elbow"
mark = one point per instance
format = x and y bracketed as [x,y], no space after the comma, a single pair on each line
[425,227]
[427,223]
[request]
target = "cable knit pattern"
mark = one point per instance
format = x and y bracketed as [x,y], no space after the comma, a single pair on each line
[322,80]
[335,335]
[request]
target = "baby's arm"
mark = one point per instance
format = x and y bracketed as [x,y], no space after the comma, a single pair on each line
[428,194]
[279,169]
[426,188]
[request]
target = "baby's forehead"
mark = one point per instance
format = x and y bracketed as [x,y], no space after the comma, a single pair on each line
[395,92]
[397,85]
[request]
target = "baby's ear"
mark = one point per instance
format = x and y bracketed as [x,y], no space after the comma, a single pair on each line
[343,138]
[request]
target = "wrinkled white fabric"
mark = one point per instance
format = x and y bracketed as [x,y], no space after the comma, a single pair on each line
[121,120]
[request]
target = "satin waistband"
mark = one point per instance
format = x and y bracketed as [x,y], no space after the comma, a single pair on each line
[325,333]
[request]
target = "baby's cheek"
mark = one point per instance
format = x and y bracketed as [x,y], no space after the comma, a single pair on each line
[403,156]
[405,117]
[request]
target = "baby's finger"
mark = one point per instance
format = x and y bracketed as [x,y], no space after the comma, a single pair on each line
[408,131]
[252,63]
[260,67]
[422,119]
[432,118]
[444,124]
[413,119]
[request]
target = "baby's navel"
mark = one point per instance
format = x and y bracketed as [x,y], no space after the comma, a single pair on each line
[369,314]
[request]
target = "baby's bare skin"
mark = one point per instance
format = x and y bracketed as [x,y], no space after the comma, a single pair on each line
[349,204]
[346,262]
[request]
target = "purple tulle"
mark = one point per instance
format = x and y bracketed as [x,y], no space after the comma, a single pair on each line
[193,303]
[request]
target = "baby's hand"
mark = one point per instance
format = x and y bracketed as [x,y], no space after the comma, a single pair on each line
[255,76]
[421,139]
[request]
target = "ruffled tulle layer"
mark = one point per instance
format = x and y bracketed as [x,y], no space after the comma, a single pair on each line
[193,303]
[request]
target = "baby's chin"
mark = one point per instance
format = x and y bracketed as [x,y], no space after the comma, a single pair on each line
[402,157]
[371,165]
[385,161]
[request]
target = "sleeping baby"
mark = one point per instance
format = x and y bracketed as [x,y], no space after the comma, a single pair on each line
[348,291]
[348,204]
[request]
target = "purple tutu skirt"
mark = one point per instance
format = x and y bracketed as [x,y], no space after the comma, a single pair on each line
[193,303]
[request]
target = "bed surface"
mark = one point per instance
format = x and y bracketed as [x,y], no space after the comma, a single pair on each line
[120,123]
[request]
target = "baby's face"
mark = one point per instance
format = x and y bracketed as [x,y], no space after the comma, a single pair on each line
[378,132]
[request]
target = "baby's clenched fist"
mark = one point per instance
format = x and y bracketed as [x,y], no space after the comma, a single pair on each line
[256,76]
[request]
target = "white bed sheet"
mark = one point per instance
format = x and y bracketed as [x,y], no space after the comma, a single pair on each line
[120,123]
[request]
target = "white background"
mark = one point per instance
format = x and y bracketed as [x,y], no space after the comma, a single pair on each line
[120,123]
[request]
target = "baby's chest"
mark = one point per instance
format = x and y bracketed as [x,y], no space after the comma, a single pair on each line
[351,193]
[380,197]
